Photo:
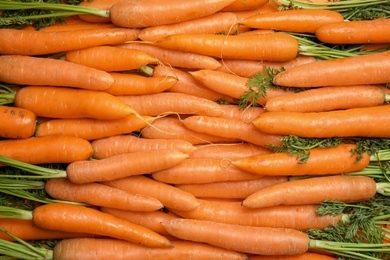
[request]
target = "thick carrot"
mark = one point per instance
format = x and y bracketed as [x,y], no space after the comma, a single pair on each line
[92,129]
[140,14]
[17,122]
[240,5]
[297,20]
[341,71]
[42,42]
[246,239]
[97,194]
[48,149]
[123,165]
[28,70]
[333,160]
[304,256]
[110,58]
[336,123]
[119,144]
[348,189]
[246,115]
[328,99]
[355,32]
[169,195]
[272,47]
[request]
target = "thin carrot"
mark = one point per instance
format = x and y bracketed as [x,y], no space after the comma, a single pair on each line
[76,24]
[17,122]
[328,99]
[22,42]
[169,195]
[119,144]
[333,160]
[348,189]
[265,8]
[304,256]
[246,115]
[97,194]
[110,58]
[240,5]
[333,123]
[272,47]
[28,70]
[152,13]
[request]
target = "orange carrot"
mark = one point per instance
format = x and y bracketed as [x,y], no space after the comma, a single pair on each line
[22,42]
[169,195]
[123,165]
[110,58]
[17,122]
[100,4]
[246,115]
[139,13]
[348,189]
[28,70]
[304,256]
[48,149]
[328,123]
[333,160]
[240,5]
[74,23]
[265,8]
[272,47]
[119,144]
[97,194]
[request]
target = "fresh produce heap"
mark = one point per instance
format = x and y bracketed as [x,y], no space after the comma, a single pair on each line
[175,129]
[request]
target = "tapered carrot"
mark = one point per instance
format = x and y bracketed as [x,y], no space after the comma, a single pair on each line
[246,115]
[328,99]
[333,160]
[240,5]
[17,122]
[355,32]
[48,149]
[341,71]
[123,165]
[272,47]
[24,70]
[139,13]
[336,123]
[304,256]
[169,195]
[97,194]
[119,144]
[348,189]
[71,23]
[92,129]
[110,58]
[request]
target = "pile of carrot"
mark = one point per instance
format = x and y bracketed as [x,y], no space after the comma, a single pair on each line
[149,129]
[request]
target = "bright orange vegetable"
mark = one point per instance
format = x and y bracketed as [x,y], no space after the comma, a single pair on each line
[17,122]
[240,5]
[245,115]
[73,22]
[100,4]
[304,256]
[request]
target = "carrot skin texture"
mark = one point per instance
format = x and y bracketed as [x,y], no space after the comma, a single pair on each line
[304,256]
[348,189]
[239,5]
[72,218]
[246,115]
[17,122]
[52,72]
[333,160]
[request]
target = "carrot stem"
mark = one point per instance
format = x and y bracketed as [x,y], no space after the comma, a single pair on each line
[7,94]
[10,212]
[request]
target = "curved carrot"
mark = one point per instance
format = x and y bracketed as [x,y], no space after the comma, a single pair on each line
[246,115]
[348,189]
[333,160]
[336,123]
[17,122]
[28,70]
[304,256]
[240,5]
[97,194]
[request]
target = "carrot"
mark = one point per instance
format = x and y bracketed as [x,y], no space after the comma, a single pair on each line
[230,189]
[77,24]
[17,122]
[240,5]
[333,123]
[230,128]
[328,99]
[119,144]
[299,217]
[304,256]
[48,149]
[191,171]
[110,58]
[28,70]
[333,160]
[123,165]
[92,129]
[340,71]
[97,194]
[355,32]
[299,20]
[22,42]
[140,14]
[178,59]
[272,47]
[348,189]
[169,195]
[265,8]
[100,4]
[246,115]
